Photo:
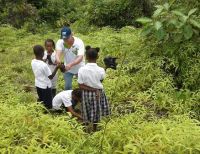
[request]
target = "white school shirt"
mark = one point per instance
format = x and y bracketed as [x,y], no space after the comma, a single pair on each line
[90,75]
[64,97]
[52,67]
[70,54]
[41,72]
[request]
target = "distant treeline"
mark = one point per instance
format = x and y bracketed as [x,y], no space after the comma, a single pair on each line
[56,13]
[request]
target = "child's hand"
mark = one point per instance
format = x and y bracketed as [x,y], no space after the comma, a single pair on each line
[58,65]
[62,67]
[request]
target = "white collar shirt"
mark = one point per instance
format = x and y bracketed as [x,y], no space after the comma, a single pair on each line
[91,75]
[64,97]
[41,72]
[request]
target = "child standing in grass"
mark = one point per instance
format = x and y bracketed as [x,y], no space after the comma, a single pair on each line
[43,76]
[50,58]
[94,101]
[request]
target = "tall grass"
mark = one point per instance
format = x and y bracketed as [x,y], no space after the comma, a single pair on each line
[148,114]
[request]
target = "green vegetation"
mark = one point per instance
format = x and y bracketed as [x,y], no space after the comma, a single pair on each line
[154,93]
[115,13]
[178,43]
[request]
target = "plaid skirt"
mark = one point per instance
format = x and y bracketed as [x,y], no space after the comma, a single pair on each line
[93,107]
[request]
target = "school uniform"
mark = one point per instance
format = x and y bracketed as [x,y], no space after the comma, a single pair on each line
[52,67]
[64,97]
[42,82]
[93,107]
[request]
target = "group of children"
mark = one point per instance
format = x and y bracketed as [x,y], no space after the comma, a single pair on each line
[90,93]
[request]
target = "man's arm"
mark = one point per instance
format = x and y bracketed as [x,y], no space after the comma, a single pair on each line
[70,109]
[75,62]
[58,56]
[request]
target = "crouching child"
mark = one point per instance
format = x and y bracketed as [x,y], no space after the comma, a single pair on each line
[68,98]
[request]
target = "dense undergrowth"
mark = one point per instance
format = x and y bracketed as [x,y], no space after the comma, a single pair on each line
[149,113]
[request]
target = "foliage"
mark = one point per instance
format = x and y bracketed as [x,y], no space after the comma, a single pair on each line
[18,13]
[116,13]
[133,136]
[173,25]
[148,114]
[61,12]
[48,12]
[178,42]
[55,12]
[28,130]
[186,4]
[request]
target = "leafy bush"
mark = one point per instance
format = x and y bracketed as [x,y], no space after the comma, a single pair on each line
[178,42]
[116,13]
[16,14]
[186,4]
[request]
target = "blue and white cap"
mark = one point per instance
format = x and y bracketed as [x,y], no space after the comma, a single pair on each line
[65,33]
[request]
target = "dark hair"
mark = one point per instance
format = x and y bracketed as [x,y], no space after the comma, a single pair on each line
[50,40]
[38,50]
[92,53]
[77,92]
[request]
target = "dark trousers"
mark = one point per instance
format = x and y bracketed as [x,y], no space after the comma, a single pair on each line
[45,96]
[53,91]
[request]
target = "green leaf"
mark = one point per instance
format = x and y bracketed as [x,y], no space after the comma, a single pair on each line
[144,20]
[157,12]
[158,6]
[178,37]
[180,14]
[160,34]
[147,30]
[158,25]
[195,23]
[173,22]
[188,31]
[166,6]
[192,11]
[196,32]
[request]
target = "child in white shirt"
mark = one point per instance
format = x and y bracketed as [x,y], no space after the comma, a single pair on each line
[94,101]
[43,76]
[50,59]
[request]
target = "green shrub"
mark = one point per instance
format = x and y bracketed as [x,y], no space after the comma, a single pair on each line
[177,37]
[16,14]
[186,4]
[116,13]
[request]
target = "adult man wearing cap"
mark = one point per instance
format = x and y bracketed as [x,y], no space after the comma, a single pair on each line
[73,50]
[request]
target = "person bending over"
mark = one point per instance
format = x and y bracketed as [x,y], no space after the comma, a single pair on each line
[68,98]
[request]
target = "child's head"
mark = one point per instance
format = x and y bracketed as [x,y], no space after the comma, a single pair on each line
[92,53]
[49,45]
[77,95]
[38,51]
